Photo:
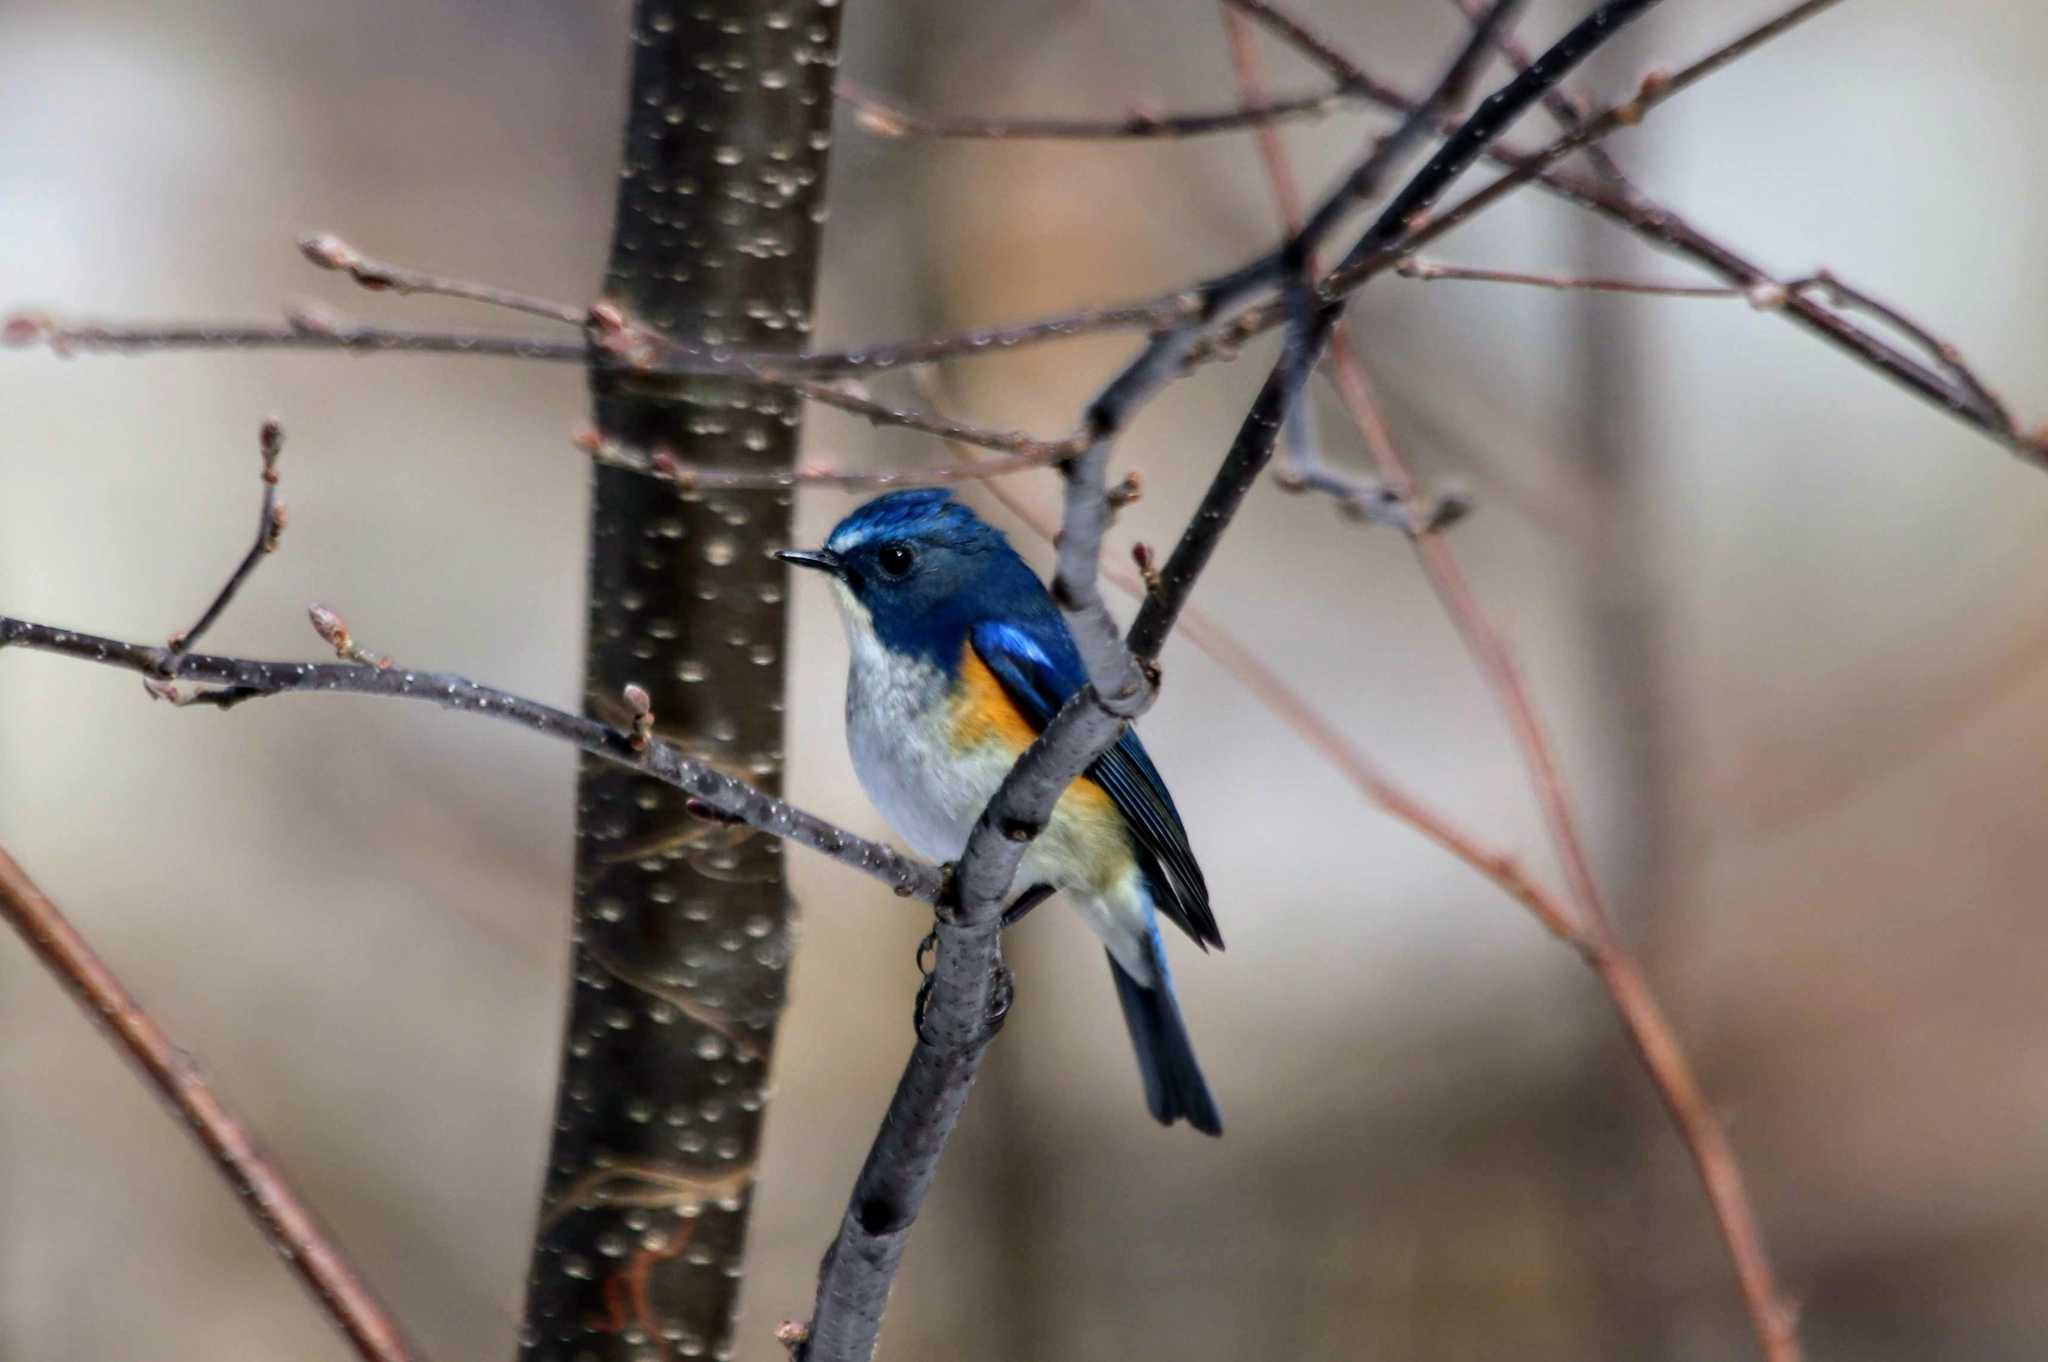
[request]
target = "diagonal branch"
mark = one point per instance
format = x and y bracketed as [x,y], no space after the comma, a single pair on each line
[272,1203]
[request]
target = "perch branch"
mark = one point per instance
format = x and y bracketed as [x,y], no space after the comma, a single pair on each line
[271,1201]
[970,989]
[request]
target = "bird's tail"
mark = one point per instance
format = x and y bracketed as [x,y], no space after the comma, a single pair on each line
[1174,1088]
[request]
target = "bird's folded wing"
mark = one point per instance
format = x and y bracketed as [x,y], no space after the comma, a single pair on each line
[1040,671]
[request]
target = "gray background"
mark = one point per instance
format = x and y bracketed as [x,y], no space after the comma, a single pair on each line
[1783,617]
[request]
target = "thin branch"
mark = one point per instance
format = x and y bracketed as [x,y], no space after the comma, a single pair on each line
[1416,267]
[330,252]
[1289,27]
[1566,107]
[887,118]
[840,396]
[241,680]
[1465,143]
[272,1203]
[615,334]
[1470,139]
[1989,407]
[270,521]
[699,477]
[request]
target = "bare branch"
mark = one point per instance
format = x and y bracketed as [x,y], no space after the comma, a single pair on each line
[1415,267]
[1566,107]
[887,118]
[270,522]
[242,679]
[1989,408]
[330,252]
[698,477]
[272,1202]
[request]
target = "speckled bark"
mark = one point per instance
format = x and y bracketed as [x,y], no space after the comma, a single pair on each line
[682,927]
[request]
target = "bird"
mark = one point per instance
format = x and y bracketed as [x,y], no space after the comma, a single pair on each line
[958,660]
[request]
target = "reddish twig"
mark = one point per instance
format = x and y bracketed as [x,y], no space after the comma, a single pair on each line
[276,1208]
[1589,928]
[626,1296]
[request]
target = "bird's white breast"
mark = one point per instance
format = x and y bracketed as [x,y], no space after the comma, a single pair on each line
[900,727]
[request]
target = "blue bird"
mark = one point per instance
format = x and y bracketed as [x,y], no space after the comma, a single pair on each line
[959,659]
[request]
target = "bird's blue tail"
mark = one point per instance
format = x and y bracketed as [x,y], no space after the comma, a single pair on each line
[1174,1088]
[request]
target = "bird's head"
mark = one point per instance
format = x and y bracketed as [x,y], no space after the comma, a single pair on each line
[917,569]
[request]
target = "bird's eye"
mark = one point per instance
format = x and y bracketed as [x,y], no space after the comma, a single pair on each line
[894,560]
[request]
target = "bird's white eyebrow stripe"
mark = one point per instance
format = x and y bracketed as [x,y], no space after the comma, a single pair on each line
[850,539]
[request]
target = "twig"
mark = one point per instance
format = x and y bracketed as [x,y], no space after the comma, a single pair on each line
[1565,106]
[1469,140]
[1465,143]
[271,1201]
[241,680]
[842,397]
[1586,926]
[621,337]
[270,522]
[641,350]
[698,477]
[1415,267]
[887,118]
[1989,407]
[330,252]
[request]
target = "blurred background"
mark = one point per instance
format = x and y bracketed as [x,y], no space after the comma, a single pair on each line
[1783,618]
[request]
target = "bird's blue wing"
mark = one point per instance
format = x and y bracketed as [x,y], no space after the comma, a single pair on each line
[1040,671]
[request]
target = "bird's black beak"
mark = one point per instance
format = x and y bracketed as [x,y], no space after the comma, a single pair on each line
[824,560]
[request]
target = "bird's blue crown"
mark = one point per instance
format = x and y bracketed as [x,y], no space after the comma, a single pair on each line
[922,515]
[927,569]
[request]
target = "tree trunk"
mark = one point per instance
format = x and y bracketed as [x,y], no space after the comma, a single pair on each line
[683,927]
